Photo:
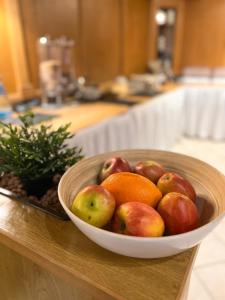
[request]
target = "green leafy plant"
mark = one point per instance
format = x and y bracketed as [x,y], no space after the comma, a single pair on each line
[35,153]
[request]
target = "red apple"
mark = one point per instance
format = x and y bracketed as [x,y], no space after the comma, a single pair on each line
[179,213]
[94,205]
[113,165]
[172,182]
[138,219]
[150,169]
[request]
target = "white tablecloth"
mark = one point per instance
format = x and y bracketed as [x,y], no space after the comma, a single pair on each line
[159,123]
[204,111]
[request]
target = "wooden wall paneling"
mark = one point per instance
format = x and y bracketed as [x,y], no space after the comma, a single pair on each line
[168,3]
[100,30]
[204,33]
[94,25]
[6,63]
[17,46]
[54,18]
[135,35]
[64,21]
[21,279]
[29,18]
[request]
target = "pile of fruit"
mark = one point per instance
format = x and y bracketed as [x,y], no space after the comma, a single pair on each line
[144,200]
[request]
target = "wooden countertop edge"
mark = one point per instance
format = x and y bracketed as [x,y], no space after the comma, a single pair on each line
[81,280]
[182,295]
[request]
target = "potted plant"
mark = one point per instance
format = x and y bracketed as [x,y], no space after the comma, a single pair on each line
[32,160]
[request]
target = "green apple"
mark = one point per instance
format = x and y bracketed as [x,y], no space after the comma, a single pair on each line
[94,205]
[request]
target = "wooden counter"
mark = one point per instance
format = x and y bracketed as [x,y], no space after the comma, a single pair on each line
[44,258]
[82,115]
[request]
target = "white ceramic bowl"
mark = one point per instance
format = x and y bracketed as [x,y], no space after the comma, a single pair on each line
[207,181]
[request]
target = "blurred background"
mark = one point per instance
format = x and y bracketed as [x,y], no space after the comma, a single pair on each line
[88,61]
[110,38]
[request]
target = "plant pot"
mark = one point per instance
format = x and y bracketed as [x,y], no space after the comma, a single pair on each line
[37,187]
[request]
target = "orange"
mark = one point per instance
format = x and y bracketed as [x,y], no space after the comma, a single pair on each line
[130,187]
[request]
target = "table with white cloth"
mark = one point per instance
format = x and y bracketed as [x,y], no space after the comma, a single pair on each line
[204,109]
[160,122]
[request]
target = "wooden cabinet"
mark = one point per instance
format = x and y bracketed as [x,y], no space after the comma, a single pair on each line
[93,25]
[49,17]
[45,258]
[204,34]
[111,36]
[100,39]
[6,63]
[135,35]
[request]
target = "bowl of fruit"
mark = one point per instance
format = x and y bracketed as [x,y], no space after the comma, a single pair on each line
[143,203]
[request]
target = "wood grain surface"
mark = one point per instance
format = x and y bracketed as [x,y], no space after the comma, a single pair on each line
[17,46]
[100,47]
[135,35]
[30,281]
[54,18]
[60,248]
[84,115]
[6,60]
[204,34]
